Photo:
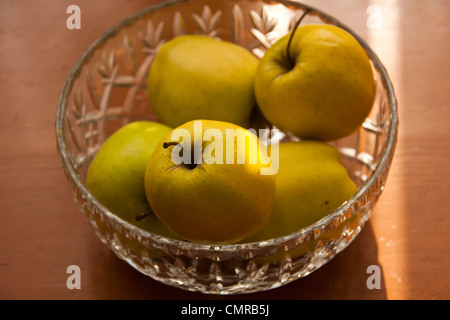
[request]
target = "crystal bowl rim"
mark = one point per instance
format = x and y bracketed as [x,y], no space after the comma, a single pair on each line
[387,153]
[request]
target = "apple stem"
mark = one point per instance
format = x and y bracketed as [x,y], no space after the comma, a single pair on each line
[191,165]
[141,216]
[168,144]
[292,63]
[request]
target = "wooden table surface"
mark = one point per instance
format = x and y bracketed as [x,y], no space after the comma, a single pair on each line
[42,231]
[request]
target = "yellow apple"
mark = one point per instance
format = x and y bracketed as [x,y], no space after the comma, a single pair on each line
[323,89]
[207,185]
[310,184]
[116,174]
[199,77]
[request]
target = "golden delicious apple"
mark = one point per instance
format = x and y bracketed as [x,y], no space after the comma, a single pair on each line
[310,184]
[198,77]
[322,89]
[205,181]
[116,174]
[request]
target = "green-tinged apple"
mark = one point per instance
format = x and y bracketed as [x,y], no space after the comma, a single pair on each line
[199,77]
[310,184]
[116,174]
[205,181]
[320,85]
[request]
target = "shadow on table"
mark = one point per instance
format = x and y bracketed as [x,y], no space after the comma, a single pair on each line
[344,277]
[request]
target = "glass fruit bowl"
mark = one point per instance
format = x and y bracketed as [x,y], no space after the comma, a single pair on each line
[107,89]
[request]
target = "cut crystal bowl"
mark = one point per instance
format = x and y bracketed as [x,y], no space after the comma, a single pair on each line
[107,89]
